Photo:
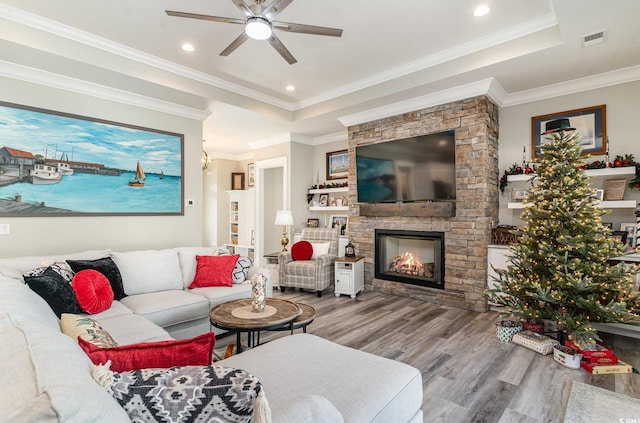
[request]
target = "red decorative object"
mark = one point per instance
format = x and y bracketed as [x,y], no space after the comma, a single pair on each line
[302,250]
[196,351]
[214,271]
[532,326]
[92,290]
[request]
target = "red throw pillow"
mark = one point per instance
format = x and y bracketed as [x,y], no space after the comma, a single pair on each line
[301,250]
[196,351]
[214,271]
[93,291]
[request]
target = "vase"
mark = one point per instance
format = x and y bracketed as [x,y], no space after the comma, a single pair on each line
[505,329]
[258,294]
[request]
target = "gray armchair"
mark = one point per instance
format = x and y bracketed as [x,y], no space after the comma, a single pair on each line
[317,274]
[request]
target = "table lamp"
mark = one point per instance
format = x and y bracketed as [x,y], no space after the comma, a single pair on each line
[284,218]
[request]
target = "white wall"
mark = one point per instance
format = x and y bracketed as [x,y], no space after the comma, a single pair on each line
[49,235]
[623,105]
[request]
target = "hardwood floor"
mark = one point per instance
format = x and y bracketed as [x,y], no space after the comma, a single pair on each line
[468,375]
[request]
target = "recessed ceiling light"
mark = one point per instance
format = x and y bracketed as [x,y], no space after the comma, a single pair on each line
[481,10]
[188,47]
[290,88]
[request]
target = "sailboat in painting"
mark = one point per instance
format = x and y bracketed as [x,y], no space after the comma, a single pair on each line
[140,178]
[162,174]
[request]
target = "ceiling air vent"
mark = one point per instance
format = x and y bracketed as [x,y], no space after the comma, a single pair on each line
[593,39]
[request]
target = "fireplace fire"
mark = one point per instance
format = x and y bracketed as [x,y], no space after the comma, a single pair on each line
[413,257]
[407,264]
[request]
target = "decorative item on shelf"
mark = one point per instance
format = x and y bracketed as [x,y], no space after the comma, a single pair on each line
[516,169]
[568,357]
[329,185]
[349,250]
[237,180]
[323,200]
[284,218]
[505,329]
[614,189]
[258,293]
[313,223]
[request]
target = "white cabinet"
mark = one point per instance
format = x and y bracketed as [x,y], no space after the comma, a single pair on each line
[349,275]
[241,222]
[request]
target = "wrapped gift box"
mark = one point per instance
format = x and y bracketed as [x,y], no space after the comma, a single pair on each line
[596,350]
[603,369]
[534,341]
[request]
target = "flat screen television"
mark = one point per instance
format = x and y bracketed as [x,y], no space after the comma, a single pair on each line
[419,168]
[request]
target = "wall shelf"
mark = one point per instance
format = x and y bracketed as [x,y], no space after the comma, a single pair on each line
[609,171]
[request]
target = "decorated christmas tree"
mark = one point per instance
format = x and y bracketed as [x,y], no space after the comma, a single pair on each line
[558,269]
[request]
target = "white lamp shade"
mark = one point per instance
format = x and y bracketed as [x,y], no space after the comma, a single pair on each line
[284,217]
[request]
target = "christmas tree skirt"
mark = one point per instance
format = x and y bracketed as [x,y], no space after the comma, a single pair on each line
[589,403]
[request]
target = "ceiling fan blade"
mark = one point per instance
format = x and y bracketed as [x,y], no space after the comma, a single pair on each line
[275,8]
[235,44]
[244,8]
[280,48]
[204,17]
[307,29]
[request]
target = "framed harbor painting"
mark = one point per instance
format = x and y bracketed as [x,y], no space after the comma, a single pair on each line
[59,164]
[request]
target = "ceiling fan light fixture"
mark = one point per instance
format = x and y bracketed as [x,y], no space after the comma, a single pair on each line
[258,28]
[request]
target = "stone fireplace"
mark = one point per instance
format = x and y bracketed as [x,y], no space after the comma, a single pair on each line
[465,223]
[413,257]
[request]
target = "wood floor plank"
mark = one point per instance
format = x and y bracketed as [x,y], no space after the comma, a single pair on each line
[467,374]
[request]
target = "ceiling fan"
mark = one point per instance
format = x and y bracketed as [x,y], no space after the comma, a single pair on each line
[259,25]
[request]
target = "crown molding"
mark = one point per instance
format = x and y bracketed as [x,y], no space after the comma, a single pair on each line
[329,138]
[49,79]
[593,82]
[474,89]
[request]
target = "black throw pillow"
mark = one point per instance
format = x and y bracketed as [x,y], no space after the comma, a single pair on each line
[55,290]
[107,267]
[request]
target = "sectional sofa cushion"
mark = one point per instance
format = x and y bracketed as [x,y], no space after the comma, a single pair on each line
[107,267]
[149,270]
[196,351]
[166,308]
[131,328]
[93,291]
[18,266]
[214,271]
[188,263]
[55,290]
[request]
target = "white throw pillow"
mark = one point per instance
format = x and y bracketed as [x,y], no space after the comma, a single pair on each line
[149,270]
[320,249]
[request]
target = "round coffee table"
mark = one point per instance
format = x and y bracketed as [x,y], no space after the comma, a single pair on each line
[236,316]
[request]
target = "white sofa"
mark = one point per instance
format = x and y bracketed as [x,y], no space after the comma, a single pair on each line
[45,375]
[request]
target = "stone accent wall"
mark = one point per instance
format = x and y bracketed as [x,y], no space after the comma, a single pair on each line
[468,231]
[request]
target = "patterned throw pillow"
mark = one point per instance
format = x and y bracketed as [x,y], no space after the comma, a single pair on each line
[189,394]
[241,270]
[86,328]
[60,267]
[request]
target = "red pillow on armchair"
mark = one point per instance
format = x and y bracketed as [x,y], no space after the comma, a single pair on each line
[301,250]
[196,351]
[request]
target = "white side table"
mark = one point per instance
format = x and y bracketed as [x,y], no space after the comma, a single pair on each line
[349,275]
